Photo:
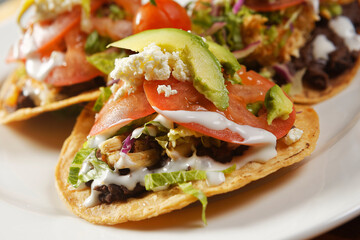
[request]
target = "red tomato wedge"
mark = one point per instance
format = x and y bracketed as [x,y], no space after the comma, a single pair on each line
[116,114]
[271,5]
[187,98]
[77,69]
[169,14]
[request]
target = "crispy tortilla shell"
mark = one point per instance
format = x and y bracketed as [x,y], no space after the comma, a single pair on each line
[26,113]
[156,203]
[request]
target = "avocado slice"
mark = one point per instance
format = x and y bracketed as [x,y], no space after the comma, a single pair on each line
[227,60]
[204,66]
[277,104]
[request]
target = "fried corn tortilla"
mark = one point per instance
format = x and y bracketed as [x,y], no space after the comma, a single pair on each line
[26,113]
[155,203]
[338,84]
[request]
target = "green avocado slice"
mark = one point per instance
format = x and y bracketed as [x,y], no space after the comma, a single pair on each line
[204,66]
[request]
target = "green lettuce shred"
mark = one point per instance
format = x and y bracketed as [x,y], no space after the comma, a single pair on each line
[96,43]
[99,169]
[76,165]
[157,180]
[189,189]
[105,93]
[105,61]
[229,169]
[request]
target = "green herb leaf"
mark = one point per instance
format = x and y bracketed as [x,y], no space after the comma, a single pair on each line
[156,180]
[189,189]
[105,93]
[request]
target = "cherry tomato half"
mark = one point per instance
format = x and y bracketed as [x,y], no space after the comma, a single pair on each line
[166,14]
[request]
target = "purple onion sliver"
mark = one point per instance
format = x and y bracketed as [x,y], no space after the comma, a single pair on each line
[299,112]
[246,50]
[284,71]
[214,28]
[112,82]
[237,6]
[291,27]
[127,144]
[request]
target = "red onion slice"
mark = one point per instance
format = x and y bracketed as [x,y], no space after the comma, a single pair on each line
[247,50]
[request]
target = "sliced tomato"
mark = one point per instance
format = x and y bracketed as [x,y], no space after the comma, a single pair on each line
[169,14]
[271,5]
[77,69]
[189,99]
[116,114]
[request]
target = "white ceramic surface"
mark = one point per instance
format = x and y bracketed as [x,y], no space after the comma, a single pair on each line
[298,202]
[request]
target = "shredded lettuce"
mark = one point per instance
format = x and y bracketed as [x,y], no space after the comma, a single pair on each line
[105,61]
[99,168]
[181,132]
[134,124]
[116,13]
[155,181]
[229,169]
[96,167]
[105,93]
[229,35]
[189,189]
[76,165]
[96,43]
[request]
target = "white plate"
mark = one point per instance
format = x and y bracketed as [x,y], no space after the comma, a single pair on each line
[298,202]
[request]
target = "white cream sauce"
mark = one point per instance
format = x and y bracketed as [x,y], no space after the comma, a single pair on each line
[322,47]
[264,149]
[39,69]
[216,121]
[345,29]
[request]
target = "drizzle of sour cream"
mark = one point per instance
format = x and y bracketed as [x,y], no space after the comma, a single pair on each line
[264,149]
[322,47]
[39,69]
[216,121]
[345,29]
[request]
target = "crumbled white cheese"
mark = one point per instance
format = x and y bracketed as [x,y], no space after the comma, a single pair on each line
[293,136]
[322,47]
[166,90]
[150,64]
